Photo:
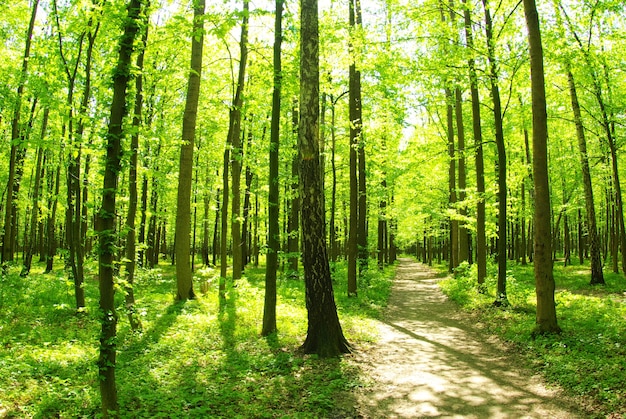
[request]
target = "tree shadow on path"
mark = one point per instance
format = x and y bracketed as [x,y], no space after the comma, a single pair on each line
[430,362]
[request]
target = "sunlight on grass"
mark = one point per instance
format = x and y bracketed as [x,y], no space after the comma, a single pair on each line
[190,359]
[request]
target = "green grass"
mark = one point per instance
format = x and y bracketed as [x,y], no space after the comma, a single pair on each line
[190,360]
[588,359]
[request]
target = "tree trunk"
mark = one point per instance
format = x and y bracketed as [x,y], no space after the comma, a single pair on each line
[324,334]
[501,298]
[273,234]
[235,139]
[34,216]
[544,280]
[481,239]
[454,224]
[131,248]
[293,219]
[16,147]
[106,230]
[597,276]
[184,282]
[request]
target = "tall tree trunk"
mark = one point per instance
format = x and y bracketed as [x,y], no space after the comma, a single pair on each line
[462,185]
[501,298]
[245,230]
[235,140]
[16,147]
[106,231]
[597,276]
[355,132]
[481,239]
[544,280]
[183,203]
[454,224]
[131,248]
[324,334]
[273,199]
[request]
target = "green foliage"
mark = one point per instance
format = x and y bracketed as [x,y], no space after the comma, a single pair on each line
[191,359]
[587,359]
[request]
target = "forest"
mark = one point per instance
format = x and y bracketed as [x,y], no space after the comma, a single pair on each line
[205,202]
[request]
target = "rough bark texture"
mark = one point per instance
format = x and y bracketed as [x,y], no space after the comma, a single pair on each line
[544,280]
[324,334]
[273,234]
[106,230]
[355,132]
[183,208]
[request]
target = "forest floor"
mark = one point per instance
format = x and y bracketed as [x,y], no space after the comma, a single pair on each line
[432,360]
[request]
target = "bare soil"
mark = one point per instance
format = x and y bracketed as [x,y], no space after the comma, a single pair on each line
[432,361]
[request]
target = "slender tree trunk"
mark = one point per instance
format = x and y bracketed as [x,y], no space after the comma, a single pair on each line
[544,280]
[355,132]
[454,224]
[597,276]
[293,219]
[481,240]
[131,248]
[235,140]
[16,148]
[184,283]
[106,230]
[501,298]
[324,334]
[462,185]
[31,247]
[273,200]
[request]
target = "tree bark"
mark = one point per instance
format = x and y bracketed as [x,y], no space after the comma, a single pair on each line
[324,334]
[544,280]
[273,199]
[501,298]
[481,240]
[184,283]
[106,231]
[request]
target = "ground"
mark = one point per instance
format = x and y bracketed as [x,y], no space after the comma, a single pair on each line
[431,361]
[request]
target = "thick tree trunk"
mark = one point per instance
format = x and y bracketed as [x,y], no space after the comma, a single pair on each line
[184,283]
[273,200]
[544,280]
[324,333]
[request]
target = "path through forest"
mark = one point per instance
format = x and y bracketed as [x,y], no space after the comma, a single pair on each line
[431,361]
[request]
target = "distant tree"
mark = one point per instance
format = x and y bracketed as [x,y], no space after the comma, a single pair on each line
[324,333]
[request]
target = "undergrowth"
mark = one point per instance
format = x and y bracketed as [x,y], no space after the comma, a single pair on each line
[190,360]
[588,359]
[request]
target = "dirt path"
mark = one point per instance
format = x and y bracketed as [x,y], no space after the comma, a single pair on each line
[429,362]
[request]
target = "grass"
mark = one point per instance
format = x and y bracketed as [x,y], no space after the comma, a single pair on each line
[190,360]
[588,359]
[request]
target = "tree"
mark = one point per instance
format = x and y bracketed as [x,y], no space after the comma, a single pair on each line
[324,334]
[106,216]
[273,198]
[544,279]
[17,149]
[183,208]
[501,298]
